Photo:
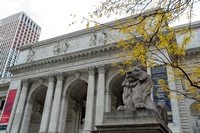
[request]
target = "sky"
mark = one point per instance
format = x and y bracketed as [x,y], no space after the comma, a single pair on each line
[53,16]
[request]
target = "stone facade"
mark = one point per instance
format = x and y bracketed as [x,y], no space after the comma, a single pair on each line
[69,83]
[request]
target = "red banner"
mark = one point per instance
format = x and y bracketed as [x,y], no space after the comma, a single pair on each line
[8,107]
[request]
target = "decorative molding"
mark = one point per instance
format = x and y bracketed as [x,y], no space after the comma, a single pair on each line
[77,75]
[51,77]
[26,82]
[4,87]
[41,81]
[36,117]
[91,70]
[59,76]
[31,54]
[30,101]
[64,58]
[101,68]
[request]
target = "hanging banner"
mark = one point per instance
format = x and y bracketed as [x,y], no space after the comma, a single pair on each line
[7,109]
[160,95]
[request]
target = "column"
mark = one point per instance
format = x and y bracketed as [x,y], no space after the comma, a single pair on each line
[100,95]
[27,117]
[20,107]
[47,106]
[89,116]
[63,114]
[56,104]
[108,101]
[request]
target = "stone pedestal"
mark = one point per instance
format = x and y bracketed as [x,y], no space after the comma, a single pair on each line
[140,121]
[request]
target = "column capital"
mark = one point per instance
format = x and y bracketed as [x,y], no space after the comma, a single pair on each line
[59,76]
[25,82]
[101,68]
[91,69]
[51,77]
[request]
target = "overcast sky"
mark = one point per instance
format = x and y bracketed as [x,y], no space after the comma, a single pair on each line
[54,15]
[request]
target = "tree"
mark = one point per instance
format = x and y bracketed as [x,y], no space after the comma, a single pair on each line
[150,41]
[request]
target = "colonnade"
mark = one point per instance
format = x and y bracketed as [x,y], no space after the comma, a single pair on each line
[56,107]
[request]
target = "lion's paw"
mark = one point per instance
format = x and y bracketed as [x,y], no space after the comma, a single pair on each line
[140,106]
[122,108]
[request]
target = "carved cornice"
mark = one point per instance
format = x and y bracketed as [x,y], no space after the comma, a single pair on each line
[64,58]
[4,87]
[193,51]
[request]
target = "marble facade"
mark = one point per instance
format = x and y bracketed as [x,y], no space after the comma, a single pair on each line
[70,82]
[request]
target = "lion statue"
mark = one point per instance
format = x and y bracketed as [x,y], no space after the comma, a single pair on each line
[137,90]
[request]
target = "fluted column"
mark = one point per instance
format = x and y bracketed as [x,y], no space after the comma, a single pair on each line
[100,95]
[89,116]
[27,116]
[56,104]
[63,114]
[48,105]
[20,107]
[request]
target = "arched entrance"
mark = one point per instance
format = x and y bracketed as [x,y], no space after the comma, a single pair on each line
[116,90]
[77,92]
[38,96]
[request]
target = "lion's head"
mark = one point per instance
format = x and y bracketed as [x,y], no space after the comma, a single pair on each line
[138,73]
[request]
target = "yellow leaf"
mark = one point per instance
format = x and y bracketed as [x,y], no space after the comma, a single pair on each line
[87,26]
[96,26]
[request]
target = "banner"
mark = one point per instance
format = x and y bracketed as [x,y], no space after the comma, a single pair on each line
[160,95]
[7,109]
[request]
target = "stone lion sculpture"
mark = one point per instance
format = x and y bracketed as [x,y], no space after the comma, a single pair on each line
[137,90]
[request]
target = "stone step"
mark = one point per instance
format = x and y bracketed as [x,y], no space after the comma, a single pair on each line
[184,118]
[183,114]
[184,121]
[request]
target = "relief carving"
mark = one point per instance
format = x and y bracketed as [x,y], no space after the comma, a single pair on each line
[30,55]
[61,47]
[103,38]
[93,39]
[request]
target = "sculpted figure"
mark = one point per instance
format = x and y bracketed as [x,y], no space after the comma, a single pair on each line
[137,90]
[93,40]
[61,48]
[103,37]
[64,46]
[30,55]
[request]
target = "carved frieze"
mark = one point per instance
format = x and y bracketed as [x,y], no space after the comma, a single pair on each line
[62,59]
[61,47]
